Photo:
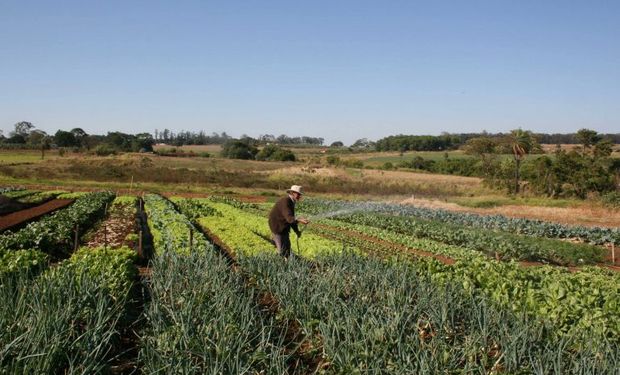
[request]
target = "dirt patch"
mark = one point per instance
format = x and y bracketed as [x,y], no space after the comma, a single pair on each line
[18,218]
[113,232]
[563,215]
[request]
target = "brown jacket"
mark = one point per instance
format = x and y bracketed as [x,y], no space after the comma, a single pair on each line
[282,216]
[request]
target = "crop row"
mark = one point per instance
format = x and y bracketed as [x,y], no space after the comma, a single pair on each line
[585,302]
[40,197]
[572,303]
[378,317]
[66,320]
[247,232]
[201,318]
[6,189]
[54,233]
[495,243]
[502,244]
[530,227]
[171,230]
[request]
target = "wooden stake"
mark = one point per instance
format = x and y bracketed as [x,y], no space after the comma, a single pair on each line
[140,245]
[105,237]
[191,239]
[75,240]
[131,185]
[613,253]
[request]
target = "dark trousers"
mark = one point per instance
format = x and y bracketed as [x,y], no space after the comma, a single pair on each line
[283,243]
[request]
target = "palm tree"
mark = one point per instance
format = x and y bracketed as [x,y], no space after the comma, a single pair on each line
[521,142]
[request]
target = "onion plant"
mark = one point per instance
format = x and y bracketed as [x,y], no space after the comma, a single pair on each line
[378,317]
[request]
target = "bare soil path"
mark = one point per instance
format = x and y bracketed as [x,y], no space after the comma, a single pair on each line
[113,231]
[21,217]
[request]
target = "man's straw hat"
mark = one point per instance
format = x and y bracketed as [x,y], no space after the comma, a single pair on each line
[296,188]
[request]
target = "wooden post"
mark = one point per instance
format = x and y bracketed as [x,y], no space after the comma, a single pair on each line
[191,239]
[105,236]
[75,240]
[131,185]
[140,245]
[613,253]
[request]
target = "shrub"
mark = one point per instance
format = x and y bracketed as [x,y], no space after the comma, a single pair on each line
[611,199]
[236,149]
[275,153]
[104,150]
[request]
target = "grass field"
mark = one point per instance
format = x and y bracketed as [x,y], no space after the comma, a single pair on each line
[25,156]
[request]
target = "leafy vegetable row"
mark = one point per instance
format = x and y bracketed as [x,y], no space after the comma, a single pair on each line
[539,228]
[246,232]
[54,233]
[171,230]
[505,245]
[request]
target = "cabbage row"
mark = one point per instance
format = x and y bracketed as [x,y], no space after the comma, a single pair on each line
[530,227]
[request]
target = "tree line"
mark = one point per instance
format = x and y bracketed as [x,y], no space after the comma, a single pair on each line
[26,136]
[449,141]
[202,138]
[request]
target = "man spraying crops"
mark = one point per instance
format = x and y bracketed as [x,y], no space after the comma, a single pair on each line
[282,219]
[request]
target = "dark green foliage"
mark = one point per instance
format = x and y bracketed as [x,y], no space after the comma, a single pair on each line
[236,149]
[571,174]
[454,166]
[65,139]
[275,153]
[404,143]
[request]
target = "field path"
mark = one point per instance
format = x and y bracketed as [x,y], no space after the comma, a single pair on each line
[19,217]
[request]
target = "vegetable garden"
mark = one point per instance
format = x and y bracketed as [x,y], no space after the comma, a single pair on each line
[372,289]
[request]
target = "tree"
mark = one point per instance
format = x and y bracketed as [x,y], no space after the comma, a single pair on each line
[485,148]
[65,139]
[23,128]
[80,137]
[236,149]
[36,136]
[521,143]
[587,138]
[337,144]
[362,143]
[603,148]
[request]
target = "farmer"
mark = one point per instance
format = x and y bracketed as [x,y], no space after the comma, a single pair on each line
[282,219]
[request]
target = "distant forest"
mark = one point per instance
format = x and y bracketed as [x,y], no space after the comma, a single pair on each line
[26,135]
[446,141]
[453,141]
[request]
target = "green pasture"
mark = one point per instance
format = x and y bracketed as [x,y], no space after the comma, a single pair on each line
[25,156]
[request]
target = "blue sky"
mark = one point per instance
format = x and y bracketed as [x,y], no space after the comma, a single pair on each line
[341,70]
